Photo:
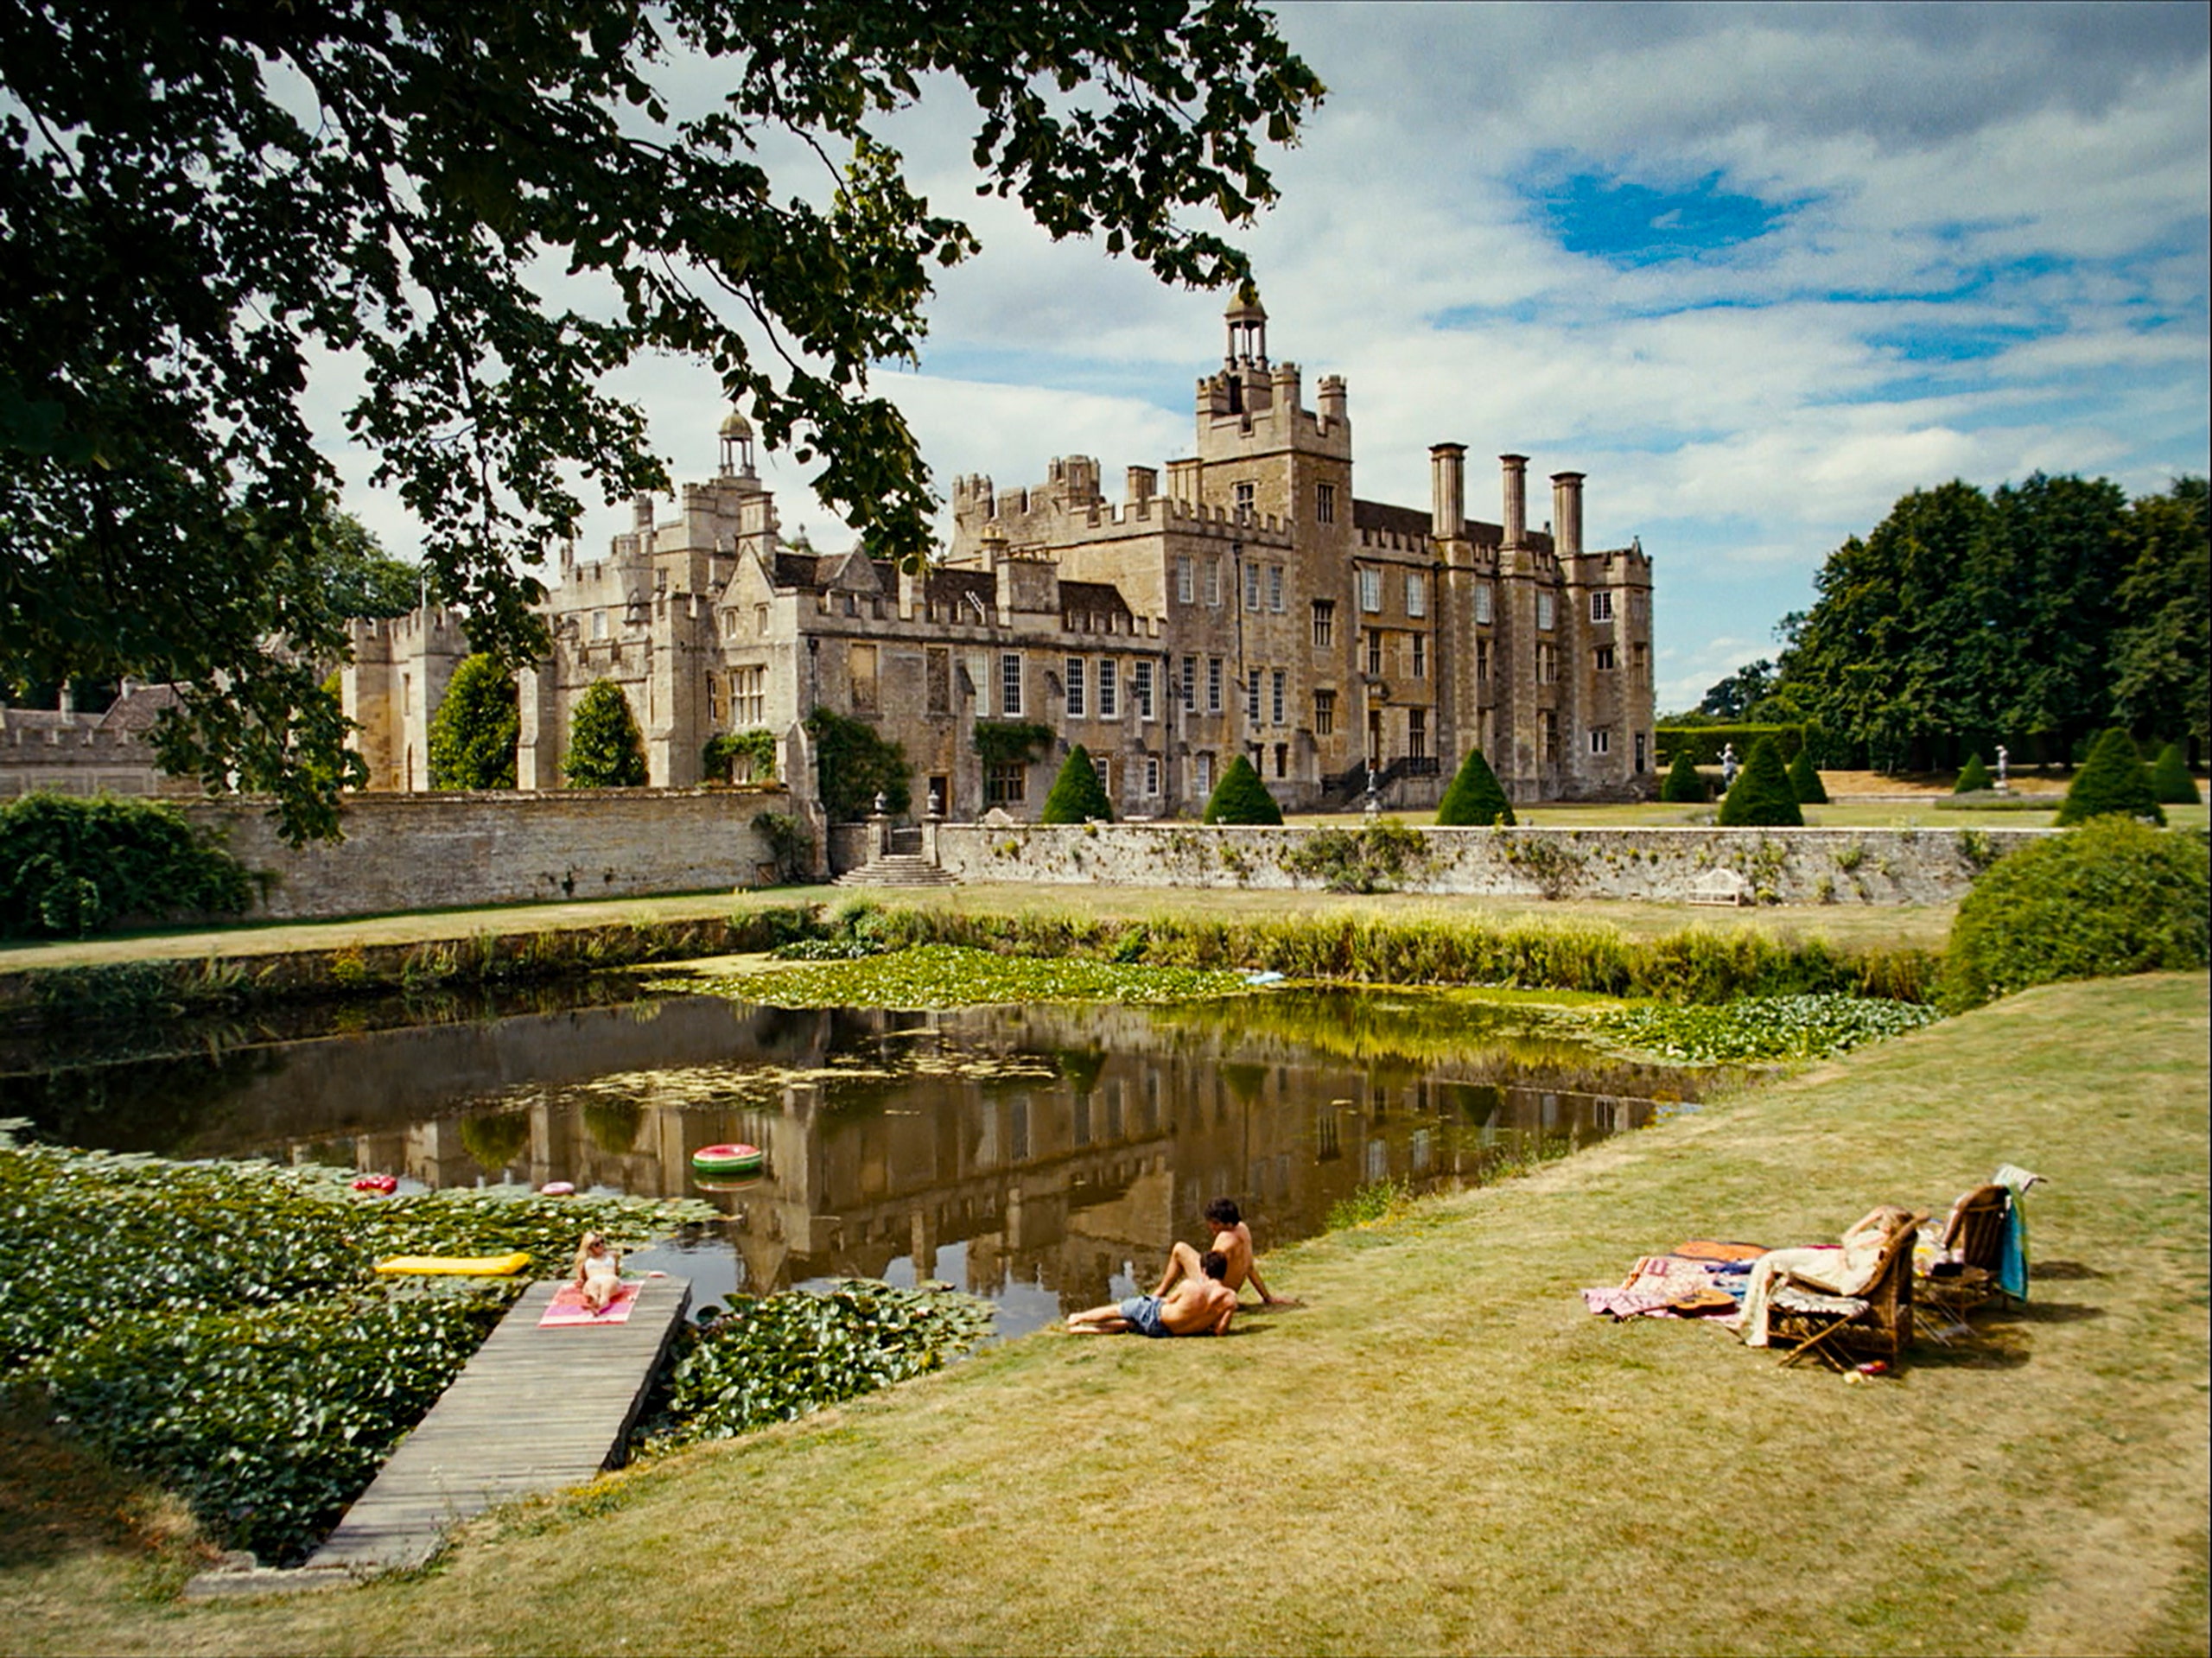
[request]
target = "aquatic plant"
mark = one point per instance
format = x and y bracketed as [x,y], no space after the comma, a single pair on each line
[950,975]
[1760,1027]
[780,1356]
[218,1326]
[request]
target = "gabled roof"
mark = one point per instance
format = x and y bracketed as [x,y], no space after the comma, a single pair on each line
[1416,524]
[1092,598]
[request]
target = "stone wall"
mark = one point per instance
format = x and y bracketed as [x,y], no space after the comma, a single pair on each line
[432,851]
[1902,866]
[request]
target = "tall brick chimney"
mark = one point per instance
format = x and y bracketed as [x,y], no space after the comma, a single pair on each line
[1514,479]
[1566,514]
[1447,490]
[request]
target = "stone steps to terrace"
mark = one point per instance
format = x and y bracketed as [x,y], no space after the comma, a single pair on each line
[898,869]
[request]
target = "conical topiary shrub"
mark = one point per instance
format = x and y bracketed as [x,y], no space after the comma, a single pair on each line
[605,749]
[1973,778]
[1241,797]
[2171,781]
[1805,780]
[1474,798]
[2113,780]
[472,733]
[1761,797]
[1684,784]
[1078,796]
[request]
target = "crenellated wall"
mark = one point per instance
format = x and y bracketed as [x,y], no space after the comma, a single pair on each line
[436,851]
[1881,867]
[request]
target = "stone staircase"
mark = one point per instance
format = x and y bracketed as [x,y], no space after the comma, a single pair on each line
[897,869]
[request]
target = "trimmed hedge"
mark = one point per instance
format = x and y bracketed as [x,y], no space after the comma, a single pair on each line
[2114,897]
[1805,780]
[472,734]
[2114,782]
[2171,781]
[605,750]
[1973,778]
[1241,797]
[1685,785]
[1761,797]
[1475,798]
[1078,796]
[1703,744]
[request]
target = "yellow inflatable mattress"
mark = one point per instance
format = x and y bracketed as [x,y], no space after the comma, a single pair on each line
[458,1266]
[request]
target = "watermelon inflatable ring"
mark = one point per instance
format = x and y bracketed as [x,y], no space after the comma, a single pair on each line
[384,1184]
[728,1159]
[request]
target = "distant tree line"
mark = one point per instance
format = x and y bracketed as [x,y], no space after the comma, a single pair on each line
[2035,616]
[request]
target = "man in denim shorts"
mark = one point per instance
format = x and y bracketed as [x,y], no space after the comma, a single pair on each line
[1197,1306]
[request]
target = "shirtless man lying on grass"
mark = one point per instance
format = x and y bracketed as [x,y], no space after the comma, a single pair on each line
[1233,1239]
[1200,1305]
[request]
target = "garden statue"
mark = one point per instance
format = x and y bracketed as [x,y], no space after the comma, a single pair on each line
[1728,764]
[2002,760]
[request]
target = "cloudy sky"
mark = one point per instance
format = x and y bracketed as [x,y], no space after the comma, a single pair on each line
[1756,270]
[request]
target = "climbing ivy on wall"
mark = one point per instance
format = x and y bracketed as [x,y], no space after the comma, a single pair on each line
[1011,742]
[853,766]
[757,748]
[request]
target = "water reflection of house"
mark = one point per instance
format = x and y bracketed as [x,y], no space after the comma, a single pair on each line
[1051,1146]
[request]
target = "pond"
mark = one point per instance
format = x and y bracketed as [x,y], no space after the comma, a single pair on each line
[1043,1157]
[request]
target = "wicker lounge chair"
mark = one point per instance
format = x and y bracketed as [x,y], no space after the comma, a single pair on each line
[1964,1274]
[1879,1321]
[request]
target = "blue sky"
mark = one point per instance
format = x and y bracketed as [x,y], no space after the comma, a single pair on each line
[1757,270]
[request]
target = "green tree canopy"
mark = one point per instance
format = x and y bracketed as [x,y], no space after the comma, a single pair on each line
[605,748]
[2036,615]
[472,733]
[1805,780]
[1241,797]
[1475,796]
[1078,796]
[1761,796]
[202,204]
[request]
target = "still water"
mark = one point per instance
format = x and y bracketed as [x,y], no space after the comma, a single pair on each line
[1043,1157]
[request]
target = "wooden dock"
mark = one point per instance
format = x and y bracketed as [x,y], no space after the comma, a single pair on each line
[533,1411]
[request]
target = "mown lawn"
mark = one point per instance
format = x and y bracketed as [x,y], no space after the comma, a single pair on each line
[1441,1451]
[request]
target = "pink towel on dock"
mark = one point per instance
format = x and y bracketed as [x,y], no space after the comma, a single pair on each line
[567,1308]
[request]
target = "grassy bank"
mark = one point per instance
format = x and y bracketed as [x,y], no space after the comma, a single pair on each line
[1441,1451]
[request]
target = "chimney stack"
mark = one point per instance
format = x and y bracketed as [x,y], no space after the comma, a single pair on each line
[1144,483]
[1566,514]
[1332,390]
[1447,490]
[1514,477]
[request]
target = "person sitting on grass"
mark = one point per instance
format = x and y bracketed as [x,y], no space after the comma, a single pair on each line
[1233,1239]
[599,1272]
[1199,1305]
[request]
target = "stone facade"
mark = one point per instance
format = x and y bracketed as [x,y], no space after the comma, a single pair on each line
[1254,605]
[67,751]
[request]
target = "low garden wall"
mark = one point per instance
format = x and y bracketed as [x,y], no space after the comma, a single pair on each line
[435,851]
[1900,866]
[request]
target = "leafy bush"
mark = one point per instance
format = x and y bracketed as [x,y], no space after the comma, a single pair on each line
[1684,784]
[1973,778]
[217,1326]
[1078,796]
[1375,858]
[70,867]
[852,765]
[1761,797]
[2112,782]
[781,1356]
[1805,780]
[788,843]
[1241,797]
[2112,897]
[474,732]
[756,747]
[605,748]
[2171,781]
[1762,1028]
[1474,798]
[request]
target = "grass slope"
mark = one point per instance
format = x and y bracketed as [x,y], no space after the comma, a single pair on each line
[1441,1451]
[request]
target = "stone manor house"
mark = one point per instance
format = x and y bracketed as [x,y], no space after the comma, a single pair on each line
[1247,601]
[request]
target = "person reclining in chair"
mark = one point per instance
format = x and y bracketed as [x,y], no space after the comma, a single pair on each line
[1847,1269]
[1197,1306]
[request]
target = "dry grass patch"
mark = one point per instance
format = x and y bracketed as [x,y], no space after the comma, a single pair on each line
[1442,1452]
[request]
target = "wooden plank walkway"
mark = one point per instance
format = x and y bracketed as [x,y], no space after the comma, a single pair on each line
[533,1411]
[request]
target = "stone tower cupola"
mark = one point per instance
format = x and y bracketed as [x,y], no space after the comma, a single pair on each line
[1247,321]
[736,446]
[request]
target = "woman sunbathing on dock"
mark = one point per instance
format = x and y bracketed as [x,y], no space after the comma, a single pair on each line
[599,1272]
